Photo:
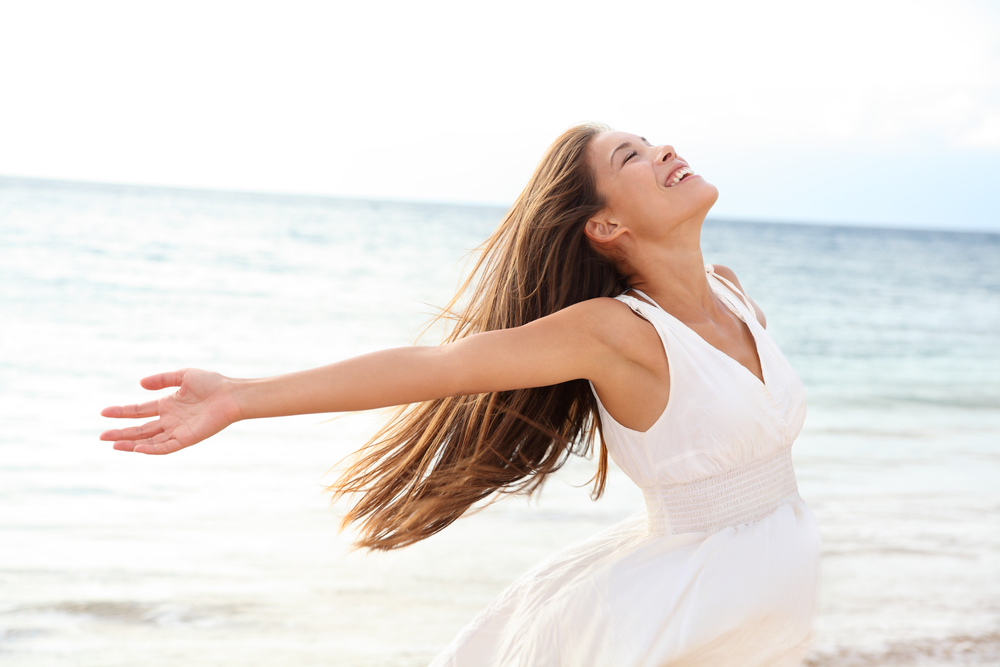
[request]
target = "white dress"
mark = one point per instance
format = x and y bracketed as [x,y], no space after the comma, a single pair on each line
[724,566]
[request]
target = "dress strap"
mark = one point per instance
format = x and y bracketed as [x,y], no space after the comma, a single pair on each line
[737,291]
[646,297]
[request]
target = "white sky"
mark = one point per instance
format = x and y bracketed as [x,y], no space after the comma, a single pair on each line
[848,111]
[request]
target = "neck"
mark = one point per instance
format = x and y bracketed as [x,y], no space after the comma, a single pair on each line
[671,271]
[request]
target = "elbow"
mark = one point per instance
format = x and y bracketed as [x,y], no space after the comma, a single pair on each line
[445,369]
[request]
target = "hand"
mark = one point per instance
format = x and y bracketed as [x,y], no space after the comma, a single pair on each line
[203,406]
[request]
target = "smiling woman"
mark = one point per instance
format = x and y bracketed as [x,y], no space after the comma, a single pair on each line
[590,318]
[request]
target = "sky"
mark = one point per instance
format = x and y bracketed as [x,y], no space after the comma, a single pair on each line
[858,112]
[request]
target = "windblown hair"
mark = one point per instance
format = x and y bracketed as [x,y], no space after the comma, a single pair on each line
[435,460]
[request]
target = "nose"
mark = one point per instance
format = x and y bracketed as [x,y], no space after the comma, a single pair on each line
[666,153]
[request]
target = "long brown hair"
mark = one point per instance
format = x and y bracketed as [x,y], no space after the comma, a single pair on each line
[434,460]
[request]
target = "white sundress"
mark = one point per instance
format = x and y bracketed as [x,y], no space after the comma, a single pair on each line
[723,568]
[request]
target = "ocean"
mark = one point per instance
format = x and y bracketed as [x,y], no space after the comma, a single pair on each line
[229,552]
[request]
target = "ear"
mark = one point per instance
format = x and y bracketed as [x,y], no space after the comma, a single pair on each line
[602,228]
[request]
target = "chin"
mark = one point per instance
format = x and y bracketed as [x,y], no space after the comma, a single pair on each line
[708,193]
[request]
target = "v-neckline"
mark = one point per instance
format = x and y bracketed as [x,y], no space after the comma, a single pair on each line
[762,380]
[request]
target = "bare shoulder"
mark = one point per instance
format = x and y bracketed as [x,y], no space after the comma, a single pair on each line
[603,316]
[730,275]
[614,324]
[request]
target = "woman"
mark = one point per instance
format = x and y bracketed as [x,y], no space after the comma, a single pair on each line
[675,372]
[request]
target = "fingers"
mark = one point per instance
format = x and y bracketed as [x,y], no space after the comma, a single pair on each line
[159,449]
[147,430]
[148,409]
[161,380]
[149,446]
[146,439]
[134,411]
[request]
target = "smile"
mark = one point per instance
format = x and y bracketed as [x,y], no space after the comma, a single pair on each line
[678,176]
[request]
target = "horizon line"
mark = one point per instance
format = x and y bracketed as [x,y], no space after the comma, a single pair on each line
[902,227]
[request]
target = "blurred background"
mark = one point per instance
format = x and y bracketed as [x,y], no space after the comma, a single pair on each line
[258,188]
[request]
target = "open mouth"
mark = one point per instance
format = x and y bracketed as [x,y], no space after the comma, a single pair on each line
[679,176]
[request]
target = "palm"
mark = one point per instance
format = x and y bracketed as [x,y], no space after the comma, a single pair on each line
[201,407]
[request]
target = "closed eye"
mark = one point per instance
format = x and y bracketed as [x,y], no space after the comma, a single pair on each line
[631,154]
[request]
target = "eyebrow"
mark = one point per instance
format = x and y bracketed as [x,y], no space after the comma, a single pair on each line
[625,145]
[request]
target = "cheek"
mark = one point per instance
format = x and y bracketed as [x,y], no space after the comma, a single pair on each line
[642,199]
[635,198]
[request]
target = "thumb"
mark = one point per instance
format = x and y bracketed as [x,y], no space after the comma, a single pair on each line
[161,380]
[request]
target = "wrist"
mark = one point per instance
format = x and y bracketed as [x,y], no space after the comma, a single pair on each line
[239,390]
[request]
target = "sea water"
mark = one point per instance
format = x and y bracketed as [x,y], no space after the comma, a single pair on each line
[229,553]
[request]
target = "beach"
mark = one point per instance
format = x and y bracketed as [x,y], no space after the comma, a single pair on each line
[229,552]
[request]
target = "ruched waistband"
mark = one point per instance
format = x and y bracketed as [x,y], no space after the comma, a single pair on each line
[738,496]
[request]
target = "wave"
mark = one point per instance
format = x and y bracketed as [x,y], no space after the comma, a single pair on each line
[968,650]
[123,611]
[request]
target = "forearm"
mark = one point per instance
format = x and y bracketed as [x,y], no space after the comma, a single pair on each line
[380,379]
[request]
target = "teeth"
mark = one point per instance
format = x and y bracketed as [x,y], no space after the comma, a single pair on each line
[681,173]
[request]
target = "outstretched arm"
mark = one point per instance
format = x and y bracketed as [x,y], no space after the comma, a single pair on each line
[578,342]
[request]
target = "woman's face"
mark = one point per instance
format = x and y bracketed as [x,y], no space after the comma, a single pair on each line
[640,184]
